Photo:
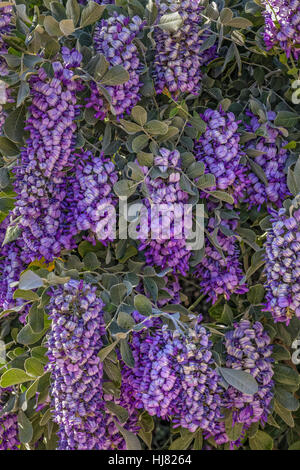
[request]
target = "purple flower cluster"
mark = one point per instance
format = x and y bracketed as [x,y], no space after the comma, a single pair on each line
[94,179]
[219,149]
[9,439]
[248,348]
[41,184]
[173,377]
[167,247]
[283,265]
[73,346]
[12,263]
[178,59]
[282,26]
[114,38]
[5,28]
[221,275]
[272,157]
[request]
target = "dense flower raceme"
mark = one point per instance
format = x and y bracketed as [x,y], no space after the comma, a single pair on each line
[247,348]
[272,158]
[167,247]
[5,28]
[219,149]
[114,38]
[283,265]
[173,376]
[178,58]
[41,185]
[221,275]
[73,346]
[9,439]
[12,263]
[282,26]
[94,180]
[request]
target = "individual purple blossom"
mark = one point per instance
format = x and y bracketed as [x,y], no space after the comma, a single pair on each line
[220,151]
[96,201]
[77,372]
[282,266]
[178,56]
[248,348]
[9,439]
[282,26]
[221,275]
[114,37]
[271,158]
[167,247]
[41,184]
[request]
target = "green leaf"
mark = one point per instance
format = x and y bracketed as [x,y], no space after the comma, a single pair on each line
[145,159]
[170,22]
[25,428]
[132,442]
[104,352]
[14,124]
[118,293]
[239,22]
[206,181]
[6,204]
[116,75]
[256,294]
[156,127]
[198,123]
[36,318]
[25,294]
[139,114]
[135,172]
[286,399]
[222,196]
[261,441]
[23,92]
[286,375]
[124,188]
[91,261]
[284,414]
[182,443]
[91,14]
[57,10]
[29,280]
[242,381]
[27,336]
[295,446]
[67,27]
[143,305]
[196,169]
[151,288]
[125,320]
[130,127]
[286,119]
[14,377]
[8,148]
[73,10]
[34,367]
[52,26]
[126,353]
[139,142]
[226,15]
[117,411]
[233,431]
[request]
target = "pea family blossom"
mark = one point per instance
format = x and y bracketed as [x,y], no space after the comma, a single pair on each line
[114,38]
[248,348]
[165,203]
[5,28]
[271,157]
[41,184]
[282,267]
[173,376]
[220,150]
[178,58]
[73,346]
[221,274]
[94,180]
[282,30]
[9,439]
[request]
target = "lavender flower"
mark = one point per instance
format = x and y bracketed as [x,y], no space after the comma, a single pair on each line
[221,275]
[41,183]
[5,28]
[282,26]
[8,425]
[114,38]
[248,348]
[95,177]
[169,247]
[173,377]
[272,159]
[73,344]
[283,265]
[178,58]
[219,149]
